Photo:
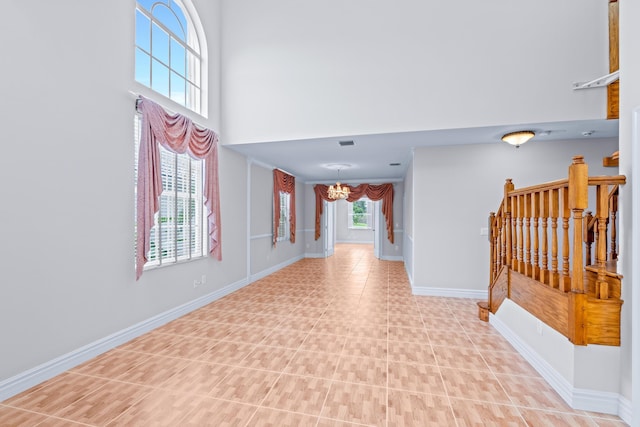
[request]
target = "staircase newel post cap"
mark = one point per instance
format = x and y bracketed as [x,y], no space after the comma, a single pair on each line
[578,160]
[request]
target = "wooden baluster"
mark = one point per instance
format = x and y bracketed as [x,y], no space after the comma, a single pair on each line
[514,233]
[499,240]
[527,231]
[544,272]
[521,233]
[493,272]
[613,213]
[536,237]
[596,236]
[578,197]
[565,281]
[506,212]
[602,214]
[503,240]
[588,237]
[555,213]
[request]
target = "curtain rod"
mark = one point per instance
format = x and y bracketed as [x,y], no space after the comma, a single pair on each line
[137,96]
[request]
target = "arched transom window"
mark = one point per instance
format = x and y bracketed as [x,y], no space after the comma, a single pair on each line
[168,56]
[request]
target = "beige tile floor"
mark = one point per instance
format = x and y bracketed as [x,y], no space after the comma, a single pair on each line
[337,342]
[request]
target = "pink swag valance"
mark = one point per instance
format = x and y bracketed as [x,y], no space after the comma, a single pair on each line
[382,192]
[177,134]
[283,182]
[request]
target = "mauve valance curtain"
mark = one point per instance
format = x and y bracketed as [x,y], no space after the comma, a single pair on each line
[286,183]
[382,192]
[177,134]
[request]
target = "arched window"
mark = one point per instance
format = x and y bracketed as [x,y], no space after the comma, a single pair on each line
[169,61]
[168,56]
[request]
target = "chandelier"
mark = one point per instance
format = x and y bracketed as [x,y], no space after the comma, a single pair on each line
[338,192]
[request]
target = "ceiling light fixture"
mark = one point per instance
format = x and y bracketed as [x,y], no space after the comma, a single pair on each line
[518,138]
[338,192]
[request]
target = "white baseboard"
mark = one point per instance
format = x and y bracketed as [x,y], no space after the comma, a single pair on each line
[34,376]
[582,399]
[625,410]
[449,292]
[273,269]
[392,258]
[314,255]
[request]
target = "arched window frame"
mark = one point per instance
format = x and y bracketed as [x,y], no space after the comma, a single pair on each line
[196,43]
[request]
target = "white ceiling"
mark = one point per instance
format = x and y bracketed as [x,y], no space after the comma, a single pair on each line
[311,160]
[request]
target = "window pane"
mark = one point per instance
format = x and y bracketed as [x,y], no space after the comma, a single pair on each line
[153,244]
[163,14]
[143,68]
[194,240]
[283,232]
[193,97]
[178,89]
[178,58]
[143,31]
[193,65]
[146,4]
[160,44]
[182,229]
[167,225]
[160,78]
[181,19]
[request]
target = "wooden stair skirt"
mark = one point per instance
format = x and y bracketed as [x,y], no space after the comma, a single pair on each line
[558,309]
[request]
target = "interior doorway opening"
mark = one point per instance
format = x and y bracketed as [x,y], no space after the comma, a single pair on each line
[359,222]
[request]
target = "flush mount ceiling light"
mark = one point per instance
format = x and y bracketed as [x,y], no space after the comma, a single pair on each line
[518,138]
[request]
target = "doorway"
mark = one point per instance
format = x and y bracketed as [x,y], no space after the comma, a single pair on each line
[335,215]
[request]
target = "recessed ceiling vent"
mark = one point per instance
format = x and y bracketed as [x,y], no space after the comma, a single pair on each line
[394,164]
[345,143]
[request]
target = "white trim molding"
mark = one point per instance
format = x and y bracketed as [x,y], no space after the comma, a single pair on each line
[449,292]
[314,255]
[577,398]
[391,258]
[25,380]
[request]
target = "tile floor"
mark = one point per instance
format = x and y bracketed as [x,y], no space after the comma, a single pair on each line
[337,342]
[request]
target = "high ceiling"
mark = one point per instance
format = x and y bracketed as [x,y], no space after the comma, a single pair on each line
[370,157]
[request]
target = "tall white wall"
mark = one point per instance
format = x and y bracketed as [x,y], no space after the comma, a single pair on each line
[67,271]
[630,196]
[455,188]
[300,69]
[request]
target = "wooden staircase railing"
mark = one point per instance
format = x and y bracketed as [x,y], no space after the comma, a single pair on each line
[551,258]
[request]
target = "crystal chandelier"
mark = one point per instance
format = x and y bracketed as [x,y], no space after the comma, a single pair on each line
[338,192]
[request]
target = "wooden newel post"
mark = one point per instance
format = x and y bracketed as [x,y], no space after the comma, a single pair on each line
[578,202]
[506,210]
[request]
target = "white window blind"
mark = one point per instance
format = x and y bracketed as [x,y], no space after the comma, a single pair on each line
[180,231]
[285,214]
